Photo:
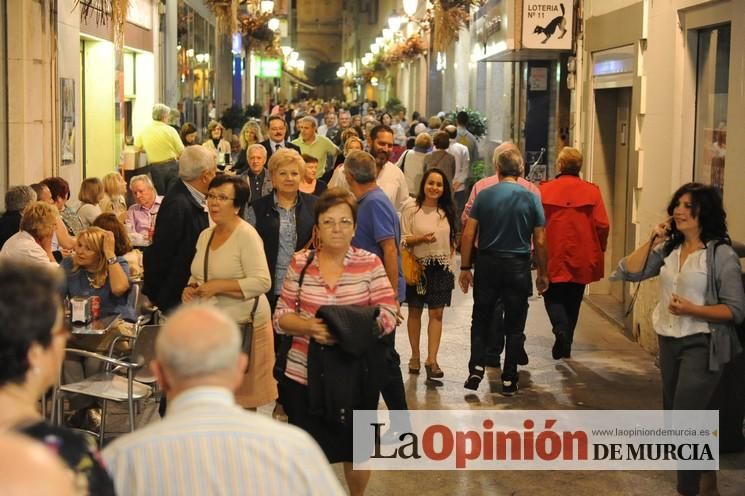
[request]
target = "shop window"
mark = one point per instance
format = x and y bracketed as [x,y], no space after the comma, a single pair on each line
[712,88]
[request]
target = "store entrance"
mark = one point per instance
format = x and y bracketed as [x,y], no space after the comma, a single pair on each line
[610,171]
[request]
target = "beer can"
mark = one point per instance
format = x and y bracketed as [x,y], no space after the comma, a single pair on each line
[95,306]
[80,310]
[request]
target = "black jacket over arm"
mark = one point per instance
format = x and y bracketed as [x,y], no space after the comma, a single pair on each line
[267,225]
[167,262]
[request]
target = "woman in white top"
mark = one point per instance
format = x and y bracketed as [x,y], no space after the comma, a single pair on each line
[701,296]
[428,229]
[91,193]
[33,242]
[236,280]
[216,143]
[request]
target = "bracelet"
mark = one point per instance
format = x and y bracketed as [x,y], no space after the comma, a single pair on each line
[112,260]
[466,268]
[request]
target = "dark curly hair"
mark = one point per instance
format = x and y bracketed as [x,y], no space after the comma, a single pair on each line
[707,207]
[445,202]
[29,302]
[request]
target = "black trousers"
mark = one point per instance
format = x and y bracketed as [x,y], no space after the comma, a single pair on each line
[392,390]
[563,301]
[687,384]
[505,278]
[164,176]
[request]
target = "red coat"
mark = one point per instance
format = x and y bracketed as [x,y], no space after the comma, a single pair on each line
[576,229]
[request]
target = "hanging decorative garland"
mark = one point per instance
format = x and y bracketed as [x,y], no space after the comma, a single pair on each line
[449,17]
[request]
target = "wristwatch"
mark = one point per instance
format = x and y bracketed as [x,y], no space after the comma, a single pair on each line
[111,261]
[466,268]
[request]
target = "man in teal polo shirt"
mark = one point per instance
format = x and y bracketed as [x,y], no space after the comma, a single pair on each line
[317,146]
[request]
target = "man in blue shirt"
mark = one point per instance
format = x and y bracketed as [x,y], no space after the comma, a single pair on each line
[379,231]
[507,218]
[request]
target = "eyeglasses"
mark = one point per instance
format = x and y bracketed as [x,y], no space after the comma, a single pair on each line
[344,223]
[220,198]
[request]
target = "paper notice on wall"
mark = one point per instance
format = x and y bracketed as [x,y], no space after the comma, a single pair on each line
[547,24]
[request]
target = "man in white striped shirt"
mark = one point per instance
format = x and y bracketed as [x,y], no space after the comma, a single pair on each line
[206,444]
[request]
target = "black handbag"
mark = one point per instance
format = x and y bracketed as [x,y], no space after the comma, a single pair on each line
[285,341]
[247,328]
[355,327]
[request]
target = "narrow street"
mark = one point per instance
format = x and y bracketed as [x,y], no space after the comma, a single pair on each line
[606,371]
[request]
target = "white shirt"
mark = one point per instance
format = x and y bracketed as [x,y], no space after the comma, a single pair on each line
[208,445]
[688,282]
[23,247]
[462,163]
[393,182]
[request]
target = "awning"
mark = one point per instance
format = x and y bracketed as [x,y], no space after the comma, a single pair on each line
[297,80]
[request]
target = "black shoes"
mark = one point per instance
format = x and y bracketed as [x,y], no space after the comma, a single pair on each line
[474,379]
[562,347]
[509,388]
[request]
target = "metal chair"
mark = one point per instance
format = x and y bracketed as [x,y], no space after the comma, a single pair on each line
[106,386]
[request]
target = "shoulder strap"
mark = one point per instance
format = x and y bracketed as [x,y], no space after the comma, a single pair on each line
[403,161]
[207,254]
[311,255]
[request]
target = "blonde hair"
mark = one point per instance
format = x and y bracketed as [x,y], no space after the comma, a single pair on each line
[352,139]
[92,239]
[423,140]
[253,125]
[39,219]
[111,184]
[91,191]
[569,160]
[286,156]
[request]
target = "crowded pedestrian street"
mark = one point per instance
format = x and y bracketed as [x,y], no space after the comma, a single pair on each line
[372,247]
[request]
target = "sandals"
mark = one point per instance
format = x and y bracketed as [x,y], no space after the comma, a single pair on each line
[414,365]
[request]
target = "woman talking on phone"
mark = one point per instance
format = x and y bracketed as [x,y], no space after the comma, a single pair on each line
[701,298]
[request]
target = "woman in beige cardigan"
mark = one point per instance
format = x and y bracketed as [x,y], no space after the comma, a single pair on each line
[237,278]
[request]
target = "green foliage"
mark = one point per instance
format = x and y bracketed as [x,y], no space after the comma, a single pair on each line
[393,105]
[477,172]
[477,122]
[254,111]
[233,118]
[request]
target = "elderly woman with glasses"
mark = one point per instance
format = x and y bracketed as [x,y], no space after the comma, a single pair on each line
[32,344]
[334,274]
[230,271]
[283,219]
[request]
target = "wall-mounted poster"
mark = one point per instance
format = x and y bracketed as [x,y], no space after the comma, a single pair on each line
[547,24]
[67,121]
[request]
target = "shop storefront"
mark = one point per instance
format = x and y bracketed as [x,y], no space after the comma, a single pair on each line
[196,61]
[521,50]
[102,137]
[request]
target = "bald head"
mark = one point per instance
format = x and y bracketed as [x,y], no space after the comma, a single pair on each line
[22,459]
[199,343]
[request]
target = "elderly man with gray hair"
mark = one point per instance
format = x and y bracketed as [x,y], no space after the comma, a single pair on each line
[181,217]
[140,217]
[207,443]
[163,145]
[16,199]
[507,218]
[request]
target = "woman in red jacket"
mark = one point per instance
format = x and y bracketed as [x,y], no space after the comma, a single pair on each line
[577,235]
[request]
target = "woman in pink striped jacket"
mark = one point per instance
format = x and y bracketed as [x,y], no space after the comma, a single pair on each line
[337,274]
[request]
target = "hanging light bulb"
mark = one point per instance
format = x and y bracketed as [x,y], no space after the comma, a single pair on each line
[266,6]
[286,51]
[394,22]
[410,7]
[273,24]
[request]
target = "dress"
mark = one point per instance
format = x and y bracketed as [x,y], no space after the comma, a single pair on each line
[241,257]
[79,453]
[438,281]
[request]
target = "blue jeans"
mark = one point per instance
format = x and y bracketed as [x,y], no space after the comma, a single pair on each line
[504,277]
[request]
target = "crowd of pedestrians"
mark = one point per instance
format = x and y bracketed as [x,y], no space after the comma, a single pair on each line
[244,248]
